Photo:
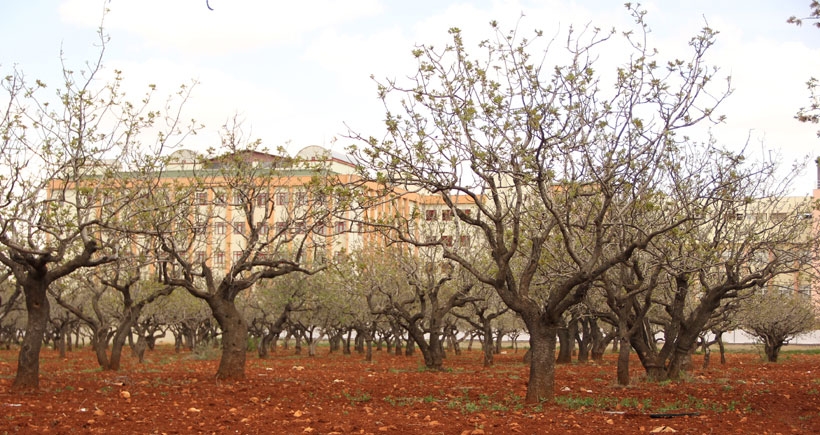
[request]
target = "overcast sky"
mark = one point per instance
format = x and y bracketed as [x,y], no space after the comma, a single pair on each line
[298,71]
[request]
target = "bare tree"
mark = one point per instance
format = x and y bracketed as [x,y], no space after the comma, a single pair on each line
[57,154]
[418,291]
[555,165]
[223,230]
[747,234]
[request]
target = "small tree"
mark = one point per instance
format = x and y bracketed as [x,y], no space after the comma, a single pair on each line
[776,318]
[418,291]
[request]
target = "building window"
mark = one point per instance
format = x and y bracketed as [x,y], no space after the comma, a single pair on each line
[239,227]
[200,226]
[447,240]
[238,199]
[219,199]
[446,215]
[219,258]
[261,199]
[280,227]
[340,227]
[262,227]
[282,198]
[430,215]
[237,255]
[466,211]
[301,198]
[85,199]
[199,257]
[201,197]
[220,228]
[464,241]
[319,229]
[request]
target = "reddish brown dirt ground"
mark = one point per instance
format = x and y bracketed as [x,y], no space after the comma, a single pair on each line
[286,394]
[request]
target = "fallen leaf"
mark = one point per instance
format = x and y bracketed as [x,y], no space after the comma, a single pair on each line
[125,394]
[99,412]
[298,413]
[660,429]
[194,410]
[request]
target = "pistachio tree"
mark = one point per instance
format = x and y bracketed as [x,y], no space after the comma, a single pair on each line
[550,154]
[58,153]
[776,317]
[237,217]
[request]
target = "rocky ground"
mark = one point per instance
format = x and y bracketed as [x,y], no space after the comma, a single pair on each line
[342,394]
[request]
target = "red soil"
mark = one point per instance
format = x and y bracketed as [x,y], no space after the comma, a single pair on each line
[287,394]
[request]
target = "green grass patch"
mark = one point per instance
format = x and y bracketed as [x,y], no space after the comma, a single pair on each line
[356,398]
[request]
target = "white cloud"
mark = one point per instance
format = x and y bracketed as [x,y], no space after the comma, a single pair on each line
[233,25]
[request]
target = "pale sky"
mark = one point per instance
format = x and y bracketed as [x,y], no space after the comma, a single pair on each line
[298,71]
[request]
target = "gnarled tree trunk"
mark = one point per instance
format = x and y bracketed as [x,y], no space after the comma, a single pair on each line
[28,362]
[234,338]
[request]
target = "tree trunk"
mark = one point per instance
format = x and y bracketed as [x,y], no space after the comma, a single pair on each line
[368,340]
[487,345]
[123,334]
[61,344]
[264,344]
[599,343]
[567,342]
[707,353]
[681,360]
[499,340]
[541,384]
[772,348]
[234,338]
[434,357]
[100,344]
[139,348]
[721,347]
[585,338]
[623,362]
[397,343]
[410,348]
[624,348]
[28,361]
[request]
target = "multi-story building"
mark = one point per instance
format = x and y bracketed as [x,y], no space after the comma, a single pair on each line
[314,201]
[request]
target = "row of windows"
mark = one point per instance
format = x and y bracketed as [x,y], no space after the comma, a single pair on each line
[261,199]
[446,215]
[449,241]
[239,227]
